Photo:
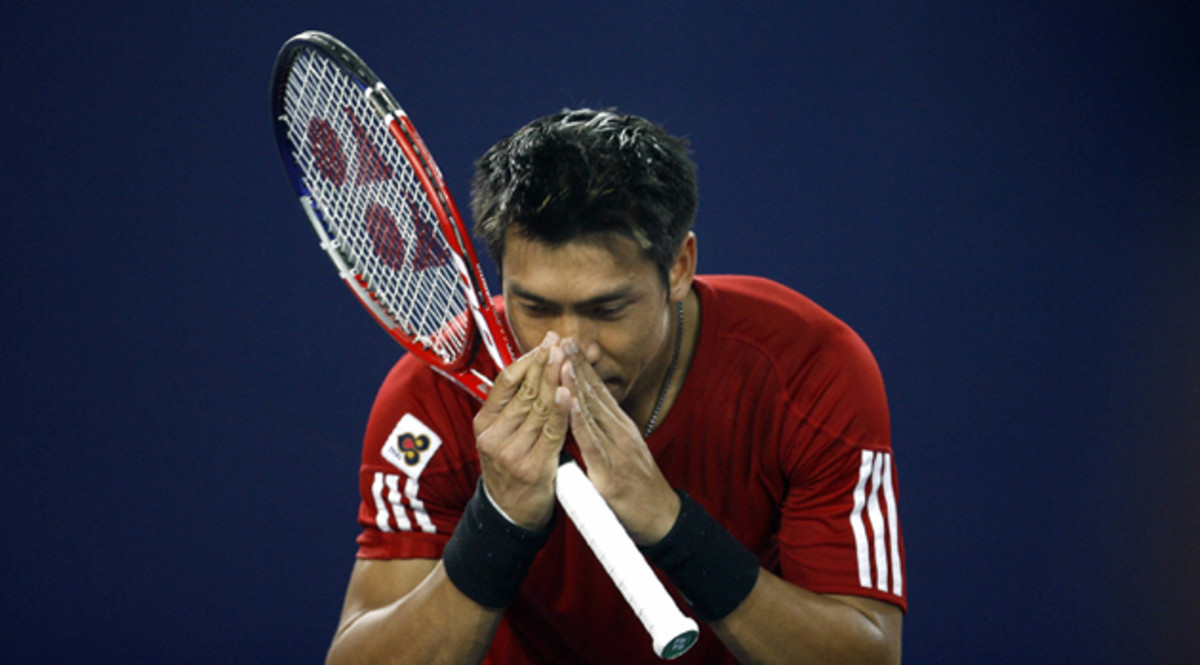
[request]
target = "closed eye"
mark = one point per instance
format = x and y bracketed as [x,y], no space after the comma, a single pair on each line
[607,312]
[537,309]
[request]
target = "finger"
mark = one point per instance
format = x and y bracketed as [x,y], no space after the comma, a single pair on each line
[532,406]
[597,402]
[531,384]
[582,362]
[554,431]
[588,434]
[506,387]
[510,382]
[547,405]
[513,378]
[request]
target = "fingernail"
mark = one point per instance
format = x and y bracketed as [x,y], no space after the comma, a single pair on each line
[548,340]
[556,355]
[571,370]
[570,346]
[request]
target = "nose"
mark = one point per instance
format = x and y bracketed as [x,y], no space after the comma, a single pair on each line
[578,327]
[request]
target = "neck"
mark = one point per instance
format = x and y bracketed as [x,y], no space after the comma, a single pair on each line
[670,368]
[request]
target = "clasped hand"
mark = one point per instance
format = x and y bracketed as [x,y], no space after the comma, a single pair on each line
[521,428]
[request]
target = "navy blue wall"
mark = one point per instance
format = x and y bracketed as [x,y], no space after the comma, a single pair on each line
[1003,201]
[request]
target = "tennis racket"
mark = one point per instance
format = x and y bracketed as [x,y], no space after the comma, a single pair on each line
[383,214]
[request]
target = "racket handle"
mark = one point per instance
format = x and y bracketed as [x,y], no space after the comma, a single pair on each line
[672,632]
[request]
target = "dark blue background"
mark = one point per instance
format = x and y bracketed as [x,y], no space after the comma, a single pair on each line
[1003,200]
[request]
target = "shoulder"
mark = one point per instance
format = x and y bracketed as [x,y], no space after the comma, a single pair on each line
[815,361]
[413,382]
[780,322]
[413,390]
[758,301]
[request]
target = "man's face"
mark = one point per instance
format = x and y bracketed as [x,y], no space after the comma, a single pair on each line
[601,291]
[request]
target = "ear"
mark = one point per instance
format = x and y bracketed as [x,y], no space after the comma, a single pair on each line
[683,270]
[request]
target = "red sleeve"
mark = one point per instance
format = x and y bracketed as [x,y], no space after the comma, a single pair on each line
[419,464]
[840,531]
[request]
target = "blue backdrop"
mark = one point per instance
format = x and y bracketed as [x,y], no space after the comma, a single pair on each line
[1003,199]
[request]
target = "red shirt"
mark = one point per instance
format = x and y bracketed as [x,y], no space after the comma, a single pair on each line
[781,432]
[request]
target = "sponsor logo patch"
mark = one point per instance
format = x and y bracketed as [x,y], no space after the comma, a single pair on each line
[410,446]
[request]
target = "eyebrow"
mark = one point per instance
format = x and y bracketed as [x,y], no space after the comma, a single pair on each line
[601,299]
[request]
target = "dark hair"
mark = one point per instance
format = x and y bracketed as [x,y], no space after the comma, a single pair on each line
[584,172]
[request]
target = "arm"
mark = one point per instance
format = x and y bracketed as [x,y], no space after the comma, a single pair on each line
[408,611]
[777,622]
[429,611]
[780,622]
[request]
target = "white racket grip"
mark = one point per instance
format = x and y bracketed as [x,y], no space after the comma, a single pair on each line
[671,631]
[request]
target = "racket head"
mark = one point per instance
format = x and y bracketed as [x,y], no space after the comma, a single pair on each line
[379,205]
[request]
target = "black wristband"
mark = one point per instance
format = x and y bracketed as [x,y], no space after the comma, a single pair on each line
[488,556]
[707,564]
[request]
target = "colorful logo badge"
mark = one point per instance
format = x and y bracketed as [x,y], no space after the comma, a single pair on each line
[411,445]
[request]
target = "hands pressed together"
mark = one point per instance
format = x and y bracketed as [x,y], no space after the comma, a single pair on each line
[535,402]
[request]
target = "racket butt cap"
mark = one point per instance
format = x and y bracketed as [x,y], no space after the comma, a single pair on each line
[679,640]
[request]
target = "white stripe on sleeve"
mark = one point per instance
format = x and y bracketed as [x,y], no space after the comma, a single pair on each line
[397,502]
[418,506]
[862,547]
[877,552]
[893,529]
[877,525]
[382,517]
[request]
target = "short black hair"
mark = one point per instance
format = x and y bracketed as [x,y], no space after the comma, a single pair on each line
[586,172]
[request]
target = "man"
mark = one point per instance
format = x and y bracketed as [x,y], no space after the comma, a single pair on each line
[739,432]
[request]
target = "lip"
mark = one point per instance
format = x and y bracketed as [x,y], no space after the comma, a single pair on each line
[615,387]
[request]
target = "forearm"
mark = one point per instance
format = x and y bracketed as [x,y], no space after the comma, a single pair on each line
[439,611]
[435,623]
[783,623]
[763,618]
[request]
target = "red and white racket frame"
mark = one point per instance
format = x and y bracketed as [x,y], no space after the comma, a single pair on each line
[487,325]
[672,633]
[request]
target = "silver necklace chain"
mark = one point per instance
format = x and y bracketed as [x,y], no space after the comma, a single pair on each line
[666,387]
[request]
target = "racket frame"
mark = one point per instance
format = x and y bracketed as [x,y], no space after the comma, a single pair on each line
[486,327]
[672,633]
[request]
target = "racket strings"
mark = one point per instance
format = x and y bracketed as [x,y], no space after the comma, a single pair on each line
[373,206]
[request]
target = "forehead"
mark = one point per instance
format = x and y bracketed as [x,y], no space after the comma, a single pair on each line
[577,269]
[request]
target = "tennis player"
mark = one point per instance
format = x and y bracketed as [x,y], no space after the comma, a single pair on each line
[739,432]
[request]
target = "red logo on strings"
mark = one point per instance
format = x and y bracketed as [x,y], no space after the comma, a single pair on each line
[371,166]
[327,151]
[387,241]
